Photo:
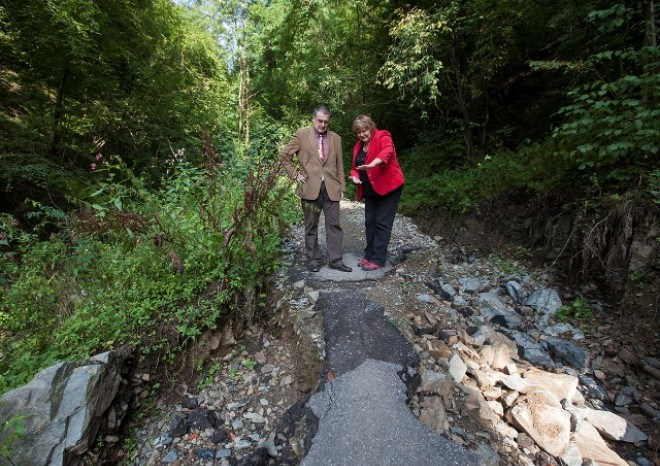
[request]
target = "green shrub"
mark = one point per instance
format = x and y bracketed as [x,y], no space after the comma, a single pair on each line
[578,309]
[457,190]
[135,266]
[609,127]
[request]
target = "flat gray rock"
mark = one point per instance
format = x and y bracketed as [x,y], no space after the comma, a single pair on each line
[531,350]
[568,353]
[61,409]
[498,312]
[326,273]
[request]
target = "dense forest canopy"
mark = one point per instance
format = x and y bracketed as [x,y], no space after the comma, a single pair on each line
[142,79]
[145,132]
[138,74]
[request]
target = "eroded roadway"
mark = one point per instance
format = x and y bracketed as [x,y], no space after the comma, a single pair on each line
[369,371]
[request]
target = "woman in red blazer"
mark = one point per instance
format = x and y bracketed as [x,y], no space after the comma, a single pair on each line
[379,179]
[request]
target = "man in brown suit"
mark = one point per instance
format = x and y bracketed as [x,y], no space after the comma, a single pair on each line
[319,172]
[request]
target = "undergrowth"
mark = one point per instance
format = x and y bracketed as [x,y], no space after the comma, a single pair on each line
[578,309]
[431,184]
[152,269]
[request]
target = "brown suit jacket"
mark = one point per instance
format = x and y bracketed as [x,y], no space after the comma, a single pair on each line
[304,146]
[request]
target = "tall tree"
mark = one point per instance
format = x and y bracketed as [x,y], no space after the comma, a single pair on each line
[318,52]
[81,77]
[611,122]
[454,56]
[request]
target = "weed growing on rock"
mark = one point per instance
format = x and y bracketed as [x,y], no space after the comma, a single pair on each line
[13,429]
[578,309]
[209,375]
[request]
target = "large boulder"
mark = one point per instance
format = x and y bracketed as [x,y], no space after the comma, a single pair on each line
[592,446]
[568,353]
[488,335]
[562,386]
[532,350]
[546,302]
[61,410]
[612,426]
[540,415]
[498,312]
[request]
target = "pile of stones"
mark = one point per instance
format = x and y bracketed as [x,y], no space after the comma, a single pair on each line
[540,391]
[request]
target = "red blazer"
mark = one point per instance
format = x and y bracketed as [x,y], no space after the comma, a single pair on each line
[386,177]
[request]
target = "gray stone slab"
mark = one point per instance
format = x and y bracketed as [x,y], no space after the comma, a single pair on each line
[61,409]
[546,302]
[364,420]
[531,350]
[326,273]
[568,353]
[515,291]
[498,312]
[356,329]
[471,284]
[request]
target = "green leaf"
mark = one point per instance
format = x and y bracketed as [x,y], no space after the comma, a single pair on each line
[96,193]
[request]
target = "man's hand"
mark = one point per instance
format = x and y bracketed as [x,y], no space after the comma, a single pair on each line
[341,196]
[355,180]
[300,178]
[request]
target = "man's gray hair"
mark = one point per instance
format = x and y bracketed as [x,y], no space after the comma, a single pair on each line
[321,109]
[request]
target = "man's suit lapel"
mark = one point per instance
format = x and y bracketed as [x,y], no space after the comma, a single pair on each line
[313,150]
[330,147]
[333,148]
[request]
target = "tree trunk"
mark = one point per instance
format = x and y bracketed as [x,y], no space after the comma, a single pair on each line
[244,98]
[651,38]
[246,105]
[460,97]
[363,52]
[484,125]
[58,112]
[244,80]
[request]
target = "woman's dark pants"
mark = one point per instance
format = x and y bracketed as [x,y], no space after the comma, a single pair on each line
[379,213]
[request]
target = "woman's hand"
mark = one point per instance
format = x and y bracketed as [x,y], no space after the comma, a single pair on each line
[370,165]
[355,180]
[300,178]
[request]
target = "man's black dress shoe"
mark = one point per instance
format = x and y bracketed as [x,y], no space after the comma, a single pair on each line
[341,267]
[313,267]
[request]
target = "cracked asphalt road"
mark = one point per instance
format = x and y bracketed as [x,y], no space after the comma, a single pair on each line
[363,415]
